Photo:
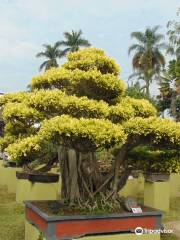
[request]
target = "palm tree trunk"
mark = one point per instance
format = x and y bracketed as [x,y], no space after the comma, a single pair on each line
[148,87]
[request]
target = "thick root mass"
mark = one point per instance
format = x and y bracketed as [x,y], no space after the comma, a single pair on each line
[85,186]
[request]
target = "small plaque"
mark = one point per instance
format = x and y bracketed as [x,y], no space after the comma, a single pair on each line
[136,209]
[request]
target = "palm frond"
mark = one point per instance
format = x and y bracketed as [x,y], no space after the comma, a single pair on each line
[135,74]
[63,43]
[138,36]
[83,42]
[159,58]
[137,47]
[65,51]
[158,37]
[43,65]
[46,46]
[41,54]
[57,45]
[51,53]
[79,33]
[155,28]
[68,35]
[73,41]
[162,46]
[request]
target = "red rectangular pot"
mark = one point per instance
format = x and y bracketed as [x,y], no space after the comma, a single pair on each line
[68,227]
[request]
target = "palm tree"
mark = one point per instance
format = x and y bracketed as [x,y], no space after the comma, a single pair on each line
[166,92]
[73,41]
[174,37]
[51,53]
[169,97]
[145,76]
[136,91]
[148,59]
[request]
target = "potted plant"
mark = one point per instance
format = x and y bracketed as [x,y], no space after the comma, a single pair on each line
[56,221]
[156,164]
[38,170]
[80,108]
[38,176]
[11,164]
[152,176]
[159,170]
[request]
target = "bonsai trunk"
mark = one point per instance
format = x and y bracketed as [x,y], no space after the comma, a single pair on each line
[82,181]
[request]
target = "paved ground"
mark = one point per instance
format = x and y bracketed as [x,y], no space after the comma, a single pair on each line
[175,226]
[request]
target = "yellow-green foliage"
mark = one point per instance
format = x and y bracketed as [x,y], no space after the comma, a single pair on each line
[88,72]
[141,107]
[20,110]
[20,149]
[21,119]
[56,102]
[99,132]
[91,133]
[20,128]
[53,78]
[12,97]
[157,130]
[92,83]
[92,58]
[129,108]
[5,141]
[96,85]
[80,105]
[47,103]
[120,112]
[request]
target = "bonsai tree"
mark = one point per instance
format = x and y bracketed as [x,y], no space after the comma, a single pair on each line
[147,159]
[78,109]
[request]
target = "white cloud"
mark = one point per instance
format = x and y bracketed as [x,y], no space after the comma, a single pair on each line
[40,9]
[14,42]
[16,49]
[25,24]
[11,30]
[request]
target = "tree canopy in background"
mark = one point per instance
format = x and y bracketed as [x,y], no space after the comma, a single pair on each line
[51,54]
[73,42]
[148,59]
[170,78]
[174,37]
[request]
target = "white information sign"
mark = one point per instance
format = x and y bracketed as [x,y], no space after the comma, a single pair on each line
[136,209]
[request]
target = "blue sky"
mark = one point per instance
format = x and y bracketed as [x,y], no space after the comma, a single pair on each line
[107,24]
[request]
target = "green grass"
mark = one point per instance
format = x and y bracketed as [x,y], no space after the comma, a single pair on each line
[11,217]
